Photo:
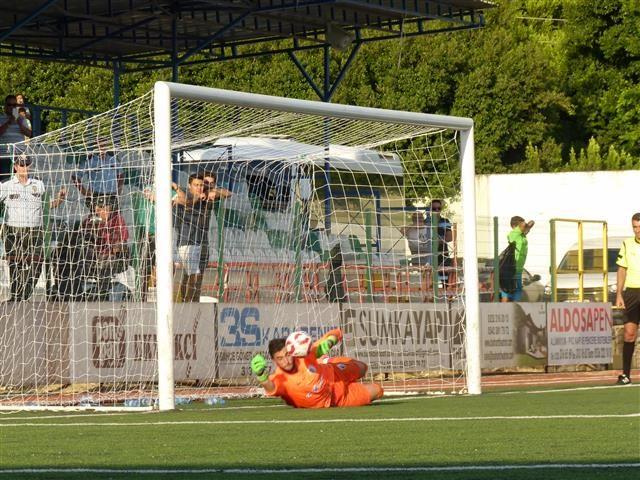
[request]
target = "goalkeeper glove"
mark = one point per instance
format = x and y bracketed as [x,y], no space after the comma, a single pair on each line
[259,368]
[324,347]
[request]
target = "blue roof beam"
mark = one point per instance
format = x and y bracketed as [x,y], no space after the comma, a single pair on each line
[212,38]
[417,13]
[113,34]
[33,15]
[297,48]
[234,22]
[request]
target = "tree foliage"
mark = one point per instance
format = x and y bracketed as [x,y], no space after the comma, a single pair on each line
[552,85]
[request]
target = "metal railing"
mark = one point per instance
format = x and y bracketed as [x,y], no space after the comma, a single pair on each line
[46,118]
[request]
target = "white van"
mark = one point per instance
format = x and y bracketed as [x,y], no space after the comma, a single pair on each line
[567,278]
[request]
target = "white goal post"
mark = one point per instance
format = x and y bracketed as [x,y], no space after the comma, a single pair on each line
[165,105]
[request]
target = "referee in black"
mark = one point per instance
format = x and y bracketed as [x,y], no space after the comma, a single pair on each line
[628,295]
[24,198]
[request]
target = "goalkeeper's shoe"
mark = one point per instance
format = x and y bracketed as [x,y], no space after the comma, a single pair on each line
[623,380]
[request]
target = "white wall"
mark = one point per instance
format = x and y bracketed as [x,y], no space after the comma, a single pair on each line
[610,196]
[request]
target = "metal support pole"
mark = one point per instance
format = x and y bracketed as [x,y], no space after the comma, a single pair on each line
[368,220]
[496,261]
[297,243]
[326,91]
[36,120]
[605,262]
[552,259]
[174,49]
[580,262]
[378,204]
[174,78]
[116,83]
[221,279]
[327,136]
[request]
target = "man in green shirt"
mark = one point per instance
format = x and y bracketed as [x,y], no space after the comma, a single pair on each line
[628,295]
[518,235]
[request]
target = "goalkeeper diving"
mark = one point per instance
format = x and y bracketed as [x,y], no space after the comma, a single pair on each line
[313,380]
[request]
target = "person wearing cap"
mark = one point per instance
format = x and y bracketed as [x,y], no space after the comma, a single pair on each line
[24,197]
[13,129]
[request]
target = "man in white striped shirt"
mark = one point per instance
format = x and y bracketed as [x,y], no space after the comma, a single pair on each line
[24,198]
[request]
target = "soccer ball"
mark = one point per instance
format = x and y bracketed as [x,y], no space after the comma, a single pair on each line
[298,344]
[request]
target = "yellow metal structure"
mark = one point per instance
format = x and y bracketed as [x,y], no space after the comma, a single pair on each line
[605,263]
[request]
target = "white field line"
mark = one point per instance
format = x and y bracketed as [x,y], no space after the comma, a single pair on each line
[559,390]
[130,413]
[293,471]
[326,420]
[489,383]
[9,417]
[255,407]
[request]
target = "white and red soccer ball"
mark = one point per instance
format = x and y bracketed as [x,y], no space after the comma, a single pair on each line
[298,344]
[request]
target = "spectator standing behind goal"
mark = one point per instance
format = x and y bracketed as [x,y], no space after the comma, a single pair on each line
[191,221]
[145,220]
[12,130]
[306,382]
[445,235]
[24,199]
[100,176]
[106,252]
[418,237]
[26,123]
[628,295]
[518,234]
[212,193]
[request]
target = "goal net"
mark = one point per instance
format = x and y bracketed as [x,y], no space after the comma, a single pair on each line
[151,251]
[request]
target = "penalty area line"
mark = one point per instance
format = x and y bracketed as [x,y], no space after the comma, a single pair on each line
[293,471]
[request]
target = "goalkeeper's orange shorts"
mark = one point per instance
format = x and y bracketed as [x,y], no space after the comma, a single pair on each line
[346,394]
[347,391]
[345,369]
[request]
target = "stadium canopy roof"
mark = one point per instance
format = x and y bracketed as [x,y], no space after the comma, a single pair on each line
[137,35]
[341,157]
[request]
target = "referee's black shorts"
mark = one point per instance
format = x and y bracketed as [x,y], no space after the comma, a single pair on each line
[631,297]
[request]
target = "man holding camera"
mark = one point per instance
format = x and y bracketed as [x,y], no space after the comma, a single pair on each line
[13,129]
[107,253]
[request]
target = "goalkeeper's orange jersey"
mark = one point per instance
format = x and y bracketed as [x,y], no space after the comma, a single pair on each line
[309,384]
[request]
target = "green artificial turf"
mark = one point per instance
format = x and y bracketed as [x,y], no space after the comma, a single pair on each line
[436,432]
